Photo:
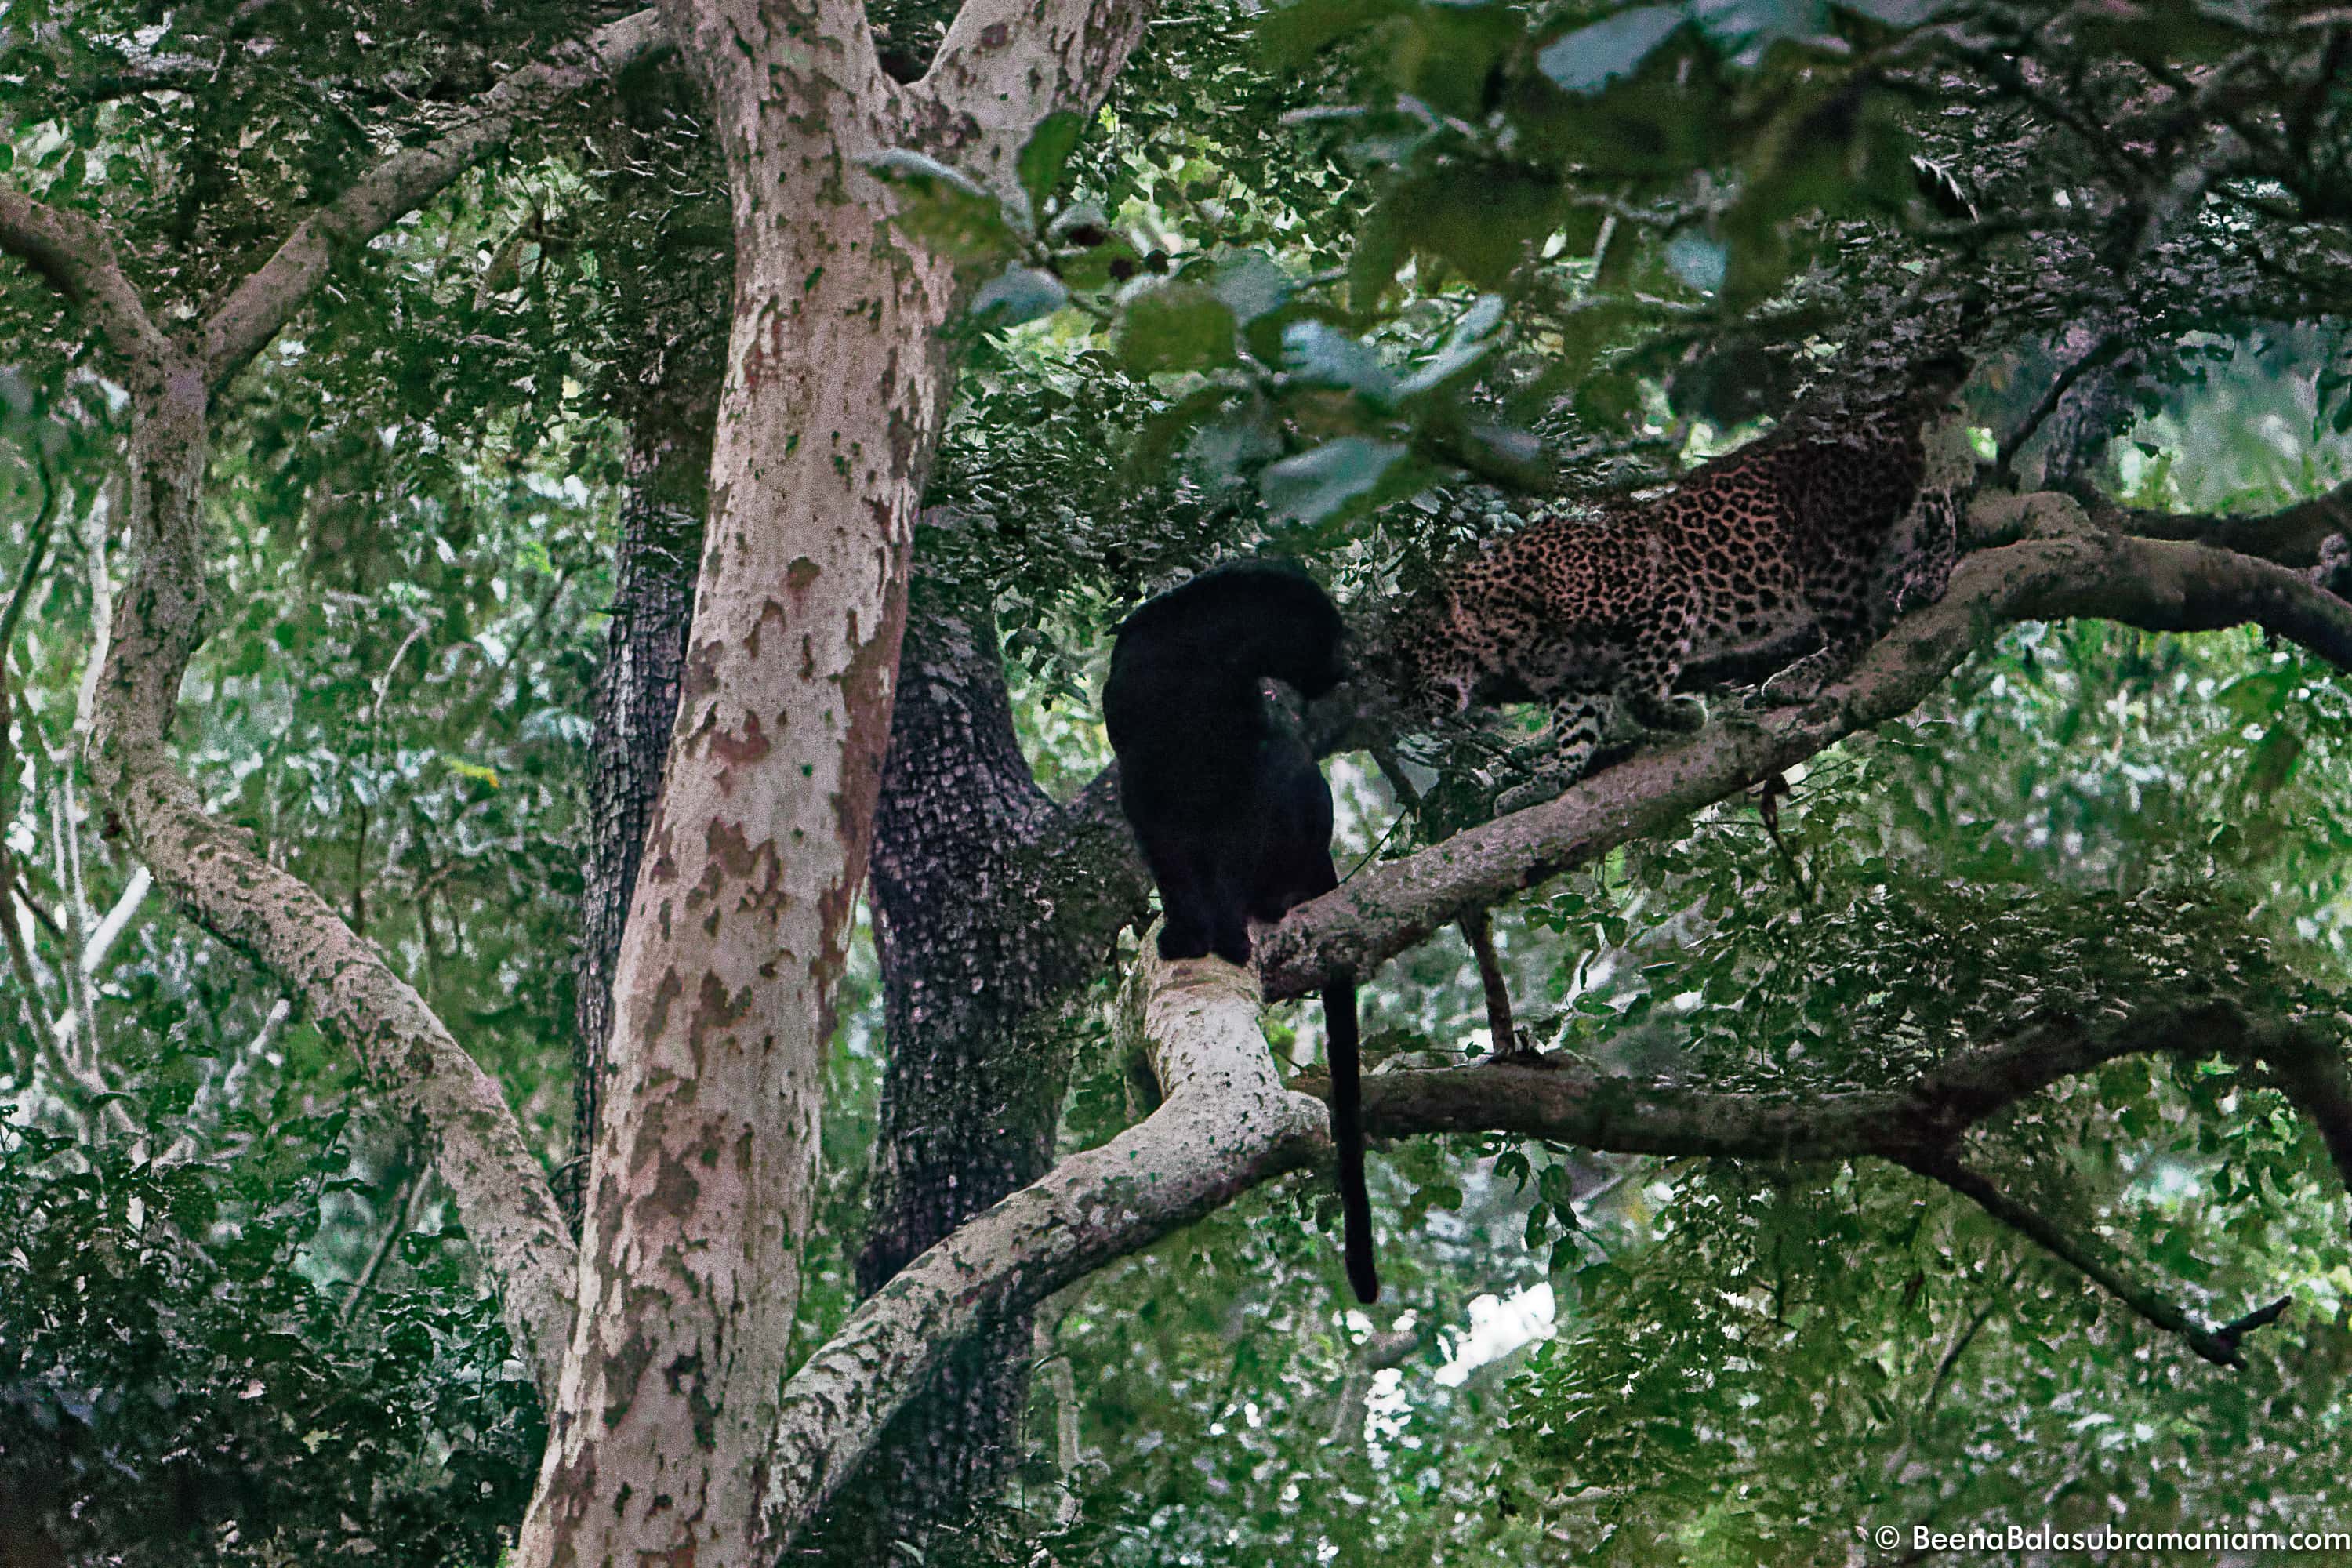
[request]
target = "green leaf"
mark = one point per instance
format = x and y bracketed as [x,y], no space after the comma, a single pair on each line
[1019,294]
[1484,221]
[945,208]
[1219,454]
[1176,326]
[1698,261]
[1322,356]
[1589,58]
[1470,342]
[1315,485]
[1047,148]
[1251,283]
[1291,35]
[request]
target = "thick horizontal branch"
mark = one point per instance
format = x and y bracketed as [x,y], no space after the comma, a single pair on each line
[73,255]
[2160,585]
[1572,1104]
[1226,1125]
[268,298]
[1919,1127]
[2291,537]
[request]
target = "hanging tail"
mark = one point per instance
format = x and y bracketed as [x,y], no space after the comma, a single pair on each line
[1348,1133]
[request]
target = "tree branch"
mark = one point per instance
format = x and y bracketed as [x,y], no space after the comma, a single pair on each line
[269,296]
[74,257]
[1226,1125]
[1005,65]
[1919,1127]
[2291,537]
[2088,1257]
[2161,585]
[212,868]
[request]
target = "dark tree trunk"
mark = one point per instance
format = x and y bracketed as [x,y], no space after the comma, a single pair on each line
[993,909]
[635,702]
[670,256]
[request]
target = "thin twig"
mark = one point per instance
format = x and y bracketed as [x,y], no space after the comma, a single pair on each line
[402,1221]
[1478,930]
[36,555]
[1768,806]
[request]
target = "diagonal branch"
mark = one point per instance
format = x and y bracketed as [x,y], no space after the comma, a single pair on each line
[1005,65]
[269,296]
[73,255]
[2161,585]
[214,868]
[2091,1258]
[1226,1125]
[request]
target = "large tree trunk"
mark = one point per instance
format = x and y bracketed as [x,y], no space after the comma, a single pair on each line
[993,907]
[700,1183]
[670,262]
[636,705]
[701,1178]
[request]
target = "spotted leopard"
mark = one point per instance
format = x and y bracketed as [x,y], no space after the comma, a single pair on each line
[1835,525]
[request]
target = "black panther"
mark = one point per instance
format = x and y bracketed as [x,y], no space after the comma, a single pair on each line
[1233,815]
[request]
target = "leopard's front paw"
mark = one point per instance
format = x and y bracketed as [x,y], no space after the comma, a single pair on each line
[1544,786]
[1790,688]
[1681,715]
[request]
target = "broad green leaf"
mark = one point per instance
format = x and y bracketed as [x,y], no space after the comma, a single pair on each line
[945,208]
[1471,340]
[1313,485]
[1019,294]
[1322,356]
[1175,327]
[1222,454]
[1047,148]
[1697,260]
[1589,58]
[1251,283]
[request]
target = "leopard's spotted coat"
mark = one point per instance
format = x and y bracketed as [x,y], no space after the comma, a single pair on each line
[1835,525]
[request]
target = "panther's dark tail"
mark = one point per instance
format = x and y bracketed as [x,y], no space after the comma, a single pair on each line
[1347,1132]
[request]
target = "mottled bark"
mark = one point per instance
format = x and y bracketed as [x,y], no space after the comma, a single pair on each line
[700,1181]
[671,269]
[993,907]
[702,1173]
[635,706]
[1226,1124]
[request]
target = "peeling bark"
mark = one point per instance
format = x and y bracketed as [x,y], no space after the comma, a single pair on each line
[699,1187]
[636,705]
[701,1178]
[674,282]
[1226,1124]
